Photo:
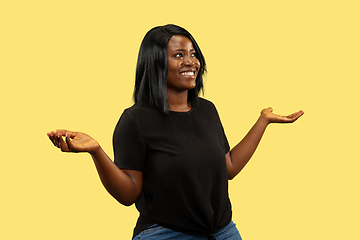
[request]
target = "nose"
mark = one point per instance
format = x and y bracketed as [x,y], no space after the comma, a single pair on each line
[189,61]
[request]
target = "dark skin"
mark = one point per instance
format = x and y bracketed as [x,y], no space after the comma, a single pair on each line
[126,185]
[183,68]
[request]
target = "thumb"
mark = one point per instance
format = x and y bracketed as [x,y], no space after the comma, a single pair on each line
[68,141]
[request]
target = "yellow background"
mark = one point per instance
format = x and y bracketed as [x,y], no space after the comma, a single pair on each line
[71,64]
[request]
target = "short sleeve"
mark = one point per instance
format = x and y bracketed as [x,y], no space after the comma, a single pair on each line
[226,143]
[129,146]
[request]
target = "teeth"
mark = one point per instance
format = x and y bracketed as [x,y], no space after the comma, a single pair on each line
[188,73]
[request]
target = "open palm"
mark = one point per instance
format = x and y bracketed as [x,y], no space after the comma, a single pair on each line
[74,141]
[274,118]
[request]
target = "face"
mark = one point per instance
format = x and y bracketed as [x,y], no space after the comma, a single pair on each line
[183,66]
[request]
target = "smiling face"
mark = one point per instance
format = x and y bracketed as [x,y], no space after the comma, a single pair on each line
[183,66]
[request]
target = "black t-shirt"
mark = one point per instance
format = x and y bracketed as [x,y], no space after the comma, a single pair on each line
[182,157]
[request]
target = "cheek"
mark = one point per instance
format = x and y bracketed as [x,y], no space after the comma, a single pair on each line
[172,67]
[197,63]
[171,70]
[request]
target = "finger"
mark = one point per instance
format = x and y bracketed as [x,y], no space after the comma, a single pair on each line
[69,142]
[266,110]
[62,144]
[293,117]
[297,115]
[62,132]
[55,137]
[58,139]
[51,137]
[72,134]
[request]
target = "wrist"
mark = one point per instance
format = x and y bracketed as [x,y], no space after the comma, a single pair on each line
[263,119]
[95,151]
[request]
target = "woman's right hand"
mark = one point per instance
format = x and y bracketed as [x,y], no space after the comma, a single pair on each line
[75,141]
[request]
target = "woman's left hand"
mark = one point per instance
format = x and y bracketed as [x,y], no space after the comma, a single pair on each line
[268,114]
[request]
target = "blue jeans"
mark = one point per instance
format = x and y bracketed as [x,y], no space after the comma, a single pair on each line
[156,232]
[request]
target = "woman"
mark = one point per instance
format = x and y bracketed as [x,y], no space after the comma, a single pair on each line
[172,157]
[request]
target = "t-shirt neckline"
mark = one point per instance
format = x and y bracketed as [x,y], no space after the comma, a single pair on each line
[177,112]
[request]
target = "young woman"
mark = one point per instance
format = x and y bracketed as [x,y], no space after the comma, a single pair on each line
[172,158]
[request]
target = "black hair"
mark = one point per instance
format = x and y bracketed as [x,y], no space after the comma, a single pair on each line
[152,68]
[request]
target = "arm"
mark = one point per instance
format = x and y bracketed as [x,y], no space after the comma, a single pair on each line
[124,185]
[238,157]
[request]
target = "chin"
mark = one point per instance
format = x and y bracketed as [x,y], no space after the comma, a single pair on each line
[192,86]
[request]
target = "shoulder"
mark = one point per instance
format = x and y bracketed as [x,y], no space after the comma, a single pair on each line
[206,104]
[137,111]
[208,110]
[141,117]
[133,120]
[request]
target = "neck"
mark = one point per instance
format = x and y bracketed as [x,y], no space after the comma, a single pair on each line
[178,101]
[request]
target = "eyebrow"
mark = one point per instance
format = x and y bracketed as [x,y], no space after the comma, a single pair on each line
[183,50]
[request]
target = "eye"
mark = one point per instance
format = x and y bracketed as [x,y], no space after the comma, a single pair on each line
[178,55]
[194,54]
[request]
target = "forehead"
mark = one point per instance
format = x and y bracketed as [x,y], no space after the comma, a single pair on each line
[179,41]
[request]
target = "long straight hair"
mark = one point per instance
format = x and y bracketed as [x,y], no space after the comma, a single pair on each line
[152,68]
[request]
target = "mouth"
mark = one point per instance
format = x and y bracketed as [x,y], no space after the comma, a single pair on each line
[189,73]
